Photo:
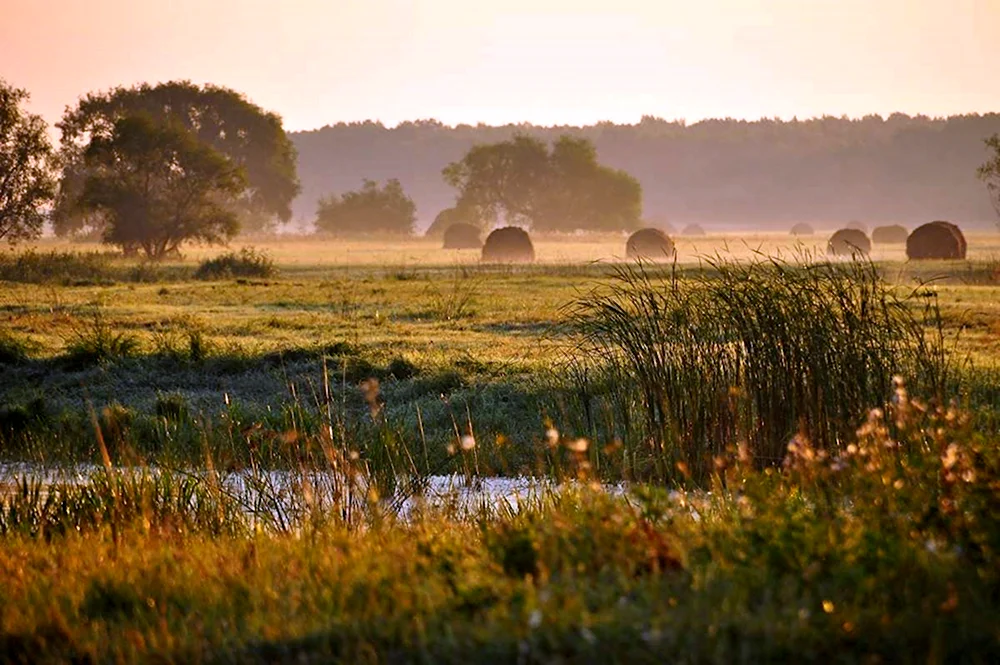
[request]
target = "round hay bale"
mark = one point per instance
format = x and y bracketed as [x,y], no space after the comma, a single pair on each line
[936,240]
[846,242]
[693,230]
[890,235]
[508,245]
[651,244]
[462,236]
[855,225]
[802,229]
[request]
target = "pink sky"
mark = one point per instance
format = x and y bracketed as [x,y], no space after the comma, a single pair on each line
[497,61]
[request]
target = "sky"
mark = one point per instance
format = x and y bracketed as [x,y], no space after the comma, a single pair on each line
[318,62]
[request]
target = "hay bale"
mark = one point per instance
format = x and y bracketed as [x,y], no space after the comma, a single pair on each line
[855,225]
[802,229]
[847,242]
[508,245]
[462,236]
[890,235]
[693,230]
[936,240]
[651,244]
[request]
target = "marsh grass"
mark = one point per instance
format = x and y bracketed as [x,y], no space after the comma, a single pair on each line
[752,351]
[247,262]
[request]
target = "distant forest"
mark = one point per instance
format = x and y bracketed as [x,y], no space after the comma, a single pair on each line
[730,173]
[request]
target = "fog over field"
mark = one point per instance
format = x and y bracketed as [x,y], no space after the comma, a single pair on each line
[724,173]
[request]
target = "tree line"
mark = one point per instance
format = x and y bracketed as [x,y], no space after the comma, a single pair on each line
[900,168]
[149,168]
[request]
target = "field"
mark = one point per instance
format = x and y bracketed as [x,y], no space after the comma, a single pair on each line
[670,517]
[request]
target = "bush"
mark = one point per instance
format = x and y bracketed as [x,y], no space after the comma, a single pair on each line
[95,343]
[248,262]
[802,229]
[34,267]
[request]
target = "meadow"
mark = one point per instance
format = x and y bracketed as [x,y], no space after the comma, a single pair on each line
[748,454]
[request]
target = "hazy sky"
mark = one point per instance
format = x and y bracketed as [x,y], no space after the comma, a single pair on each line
[317,62]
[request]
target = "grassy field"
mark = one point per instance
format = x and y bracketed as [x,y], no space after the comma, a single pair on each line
[839,548]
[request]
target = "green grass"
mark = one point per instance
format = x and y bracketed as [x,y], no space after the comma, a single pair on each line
[835,517]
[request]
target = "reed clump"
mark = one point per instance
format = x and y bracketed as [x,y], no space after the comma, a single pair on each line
[755,351]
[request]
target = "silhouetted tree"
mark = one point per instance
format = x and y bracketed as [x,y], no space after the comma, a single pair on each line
[990,171]
[26,182]
[522,182]
[371,209]
[771,173]
[157,186]
[218,117]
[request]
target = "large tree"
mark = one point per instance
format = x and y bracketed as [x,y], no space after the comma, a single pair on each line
[223,119]
[522,182]
[157,186]
[26,183]
[990,171]
[371,209]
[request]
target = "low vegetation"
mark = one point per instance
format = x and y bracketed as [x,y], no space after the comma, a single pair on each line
[715,460]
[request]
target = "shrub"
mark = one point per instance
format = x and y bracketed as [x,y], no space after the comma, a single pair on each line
[35,267]
[802,229]
[95,343]
[936,240]
[889,235]
[651,244]
[693,230]
[248,262]
[848,242]
[509,244]
[13,350]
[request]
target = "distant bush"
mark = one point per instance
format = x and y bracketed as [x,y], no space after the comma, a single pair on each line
[802,229]
[248,262]
[82,268]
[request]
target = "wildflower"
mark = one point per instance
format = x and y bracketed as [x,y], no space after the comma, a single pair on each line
[552,436]
[828,606]
[577,445]
[468,442]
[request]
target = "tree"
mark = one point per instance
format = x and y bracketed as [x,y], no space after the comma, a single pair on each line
[218,117]
[521,182]
[26,182]
[157,186]
[505,181]
[371,209]
[990,171]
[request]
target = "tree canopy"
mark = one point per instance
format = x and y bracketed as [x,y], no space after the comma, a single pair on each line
[157,186]
[990,171]
[218,117]
[521,182]
[371,209]
[26,182]
[766,173]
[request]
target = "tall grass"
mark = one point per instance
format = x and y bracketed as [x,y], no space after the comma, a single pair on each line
[754,351]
